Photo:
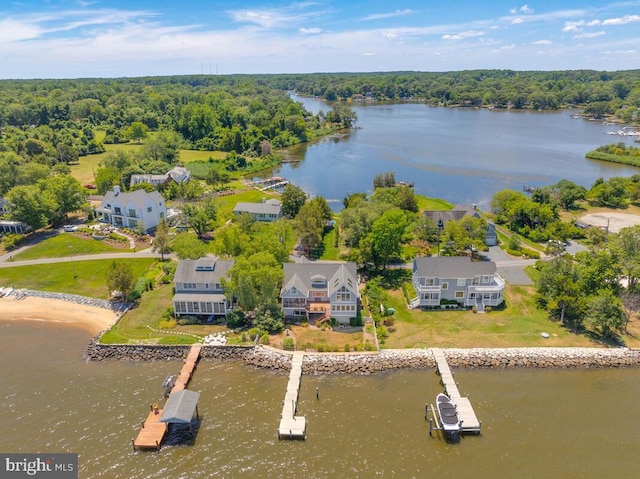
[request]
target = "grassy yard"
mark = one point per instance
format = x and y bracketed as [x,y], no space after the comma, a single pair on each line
[310,337]
[329,251]
[226,204]
[432,204]
[67,244]
[90,277]
[518,325]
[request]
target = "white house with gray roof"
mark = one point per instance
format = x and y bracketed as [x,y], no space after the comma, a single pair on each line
[470,283]
[317,290]
[198,287]
[179,174]
[268,210]
[135,209]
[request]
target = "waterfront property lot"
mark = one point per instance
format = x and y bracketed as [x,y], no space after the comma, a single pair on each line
[517,325]
[65,245]
[87,278]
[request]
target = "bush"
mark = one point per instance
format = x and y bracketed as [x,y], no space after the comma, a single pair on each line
[320,348]
[389,321]
[368,346]
[383,333]
[264,339]
[287,344]
[235,319]
[12,241]
[357,321]
[269,318]
[347,348]
[167,323]
[186,320]
[253,332]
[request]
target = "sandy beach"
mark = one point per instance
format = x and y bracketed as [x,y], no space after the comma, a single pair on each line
[89,318]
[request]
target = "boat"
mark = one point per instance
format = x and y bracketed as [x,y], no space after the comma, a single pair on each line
[451,425]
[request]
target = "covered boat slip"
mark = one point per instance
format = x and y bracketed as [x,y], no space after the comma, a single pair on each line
[180,407]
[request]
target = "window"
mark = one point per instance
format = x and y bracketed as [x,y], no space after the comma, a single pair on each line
[459,294]
[132,213]
[293,290]
[475,280]
[149,209]
[206,285]
[189,285]
[486,279]
[445,285]
[428,281]
[472,295]
[461,281]
[317,294]
[318,282]
[118,211]
[344,297]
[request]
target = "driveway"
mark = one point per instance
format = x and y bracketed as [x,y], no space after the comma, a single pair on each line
[509,267]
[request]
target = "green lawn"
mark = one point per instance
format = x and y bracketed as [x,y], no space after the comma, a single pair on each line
[90,276]
[330,252]
[226,204]
[432,204]
[517,325]
[67,244]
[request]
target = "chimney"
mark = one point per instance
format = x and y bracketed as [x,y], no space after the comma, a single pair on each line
[116,190]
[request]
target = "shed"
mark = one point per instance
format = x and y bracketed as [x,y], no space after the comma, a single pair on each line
[180,407]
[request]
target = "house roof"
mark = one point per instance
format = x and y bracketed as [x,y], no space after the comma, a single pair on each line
[271,206]
[337,274]
[146,178]
[179,174]
[180,407]
[137,197]
[457,213]
[203,270]
[452,267]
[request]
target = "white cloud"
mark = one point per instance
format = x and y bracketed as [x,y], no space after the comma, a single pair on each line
[517,21]
[310,31]
[589,34]
[461,35]
[523,9]
[391,35]
[623,20]
[542,42]
[379,16]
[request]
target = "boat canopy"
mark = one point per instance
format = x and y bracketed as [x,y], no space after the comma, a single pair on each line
[180,407]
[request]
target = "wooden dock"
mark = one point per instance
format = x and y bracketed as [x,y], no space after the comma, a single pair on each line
[187,369]
[152,431]
[467,415]
[292,426]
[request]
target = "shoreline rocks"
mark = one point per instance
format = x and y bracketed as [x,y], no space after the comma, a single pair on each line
[386,360]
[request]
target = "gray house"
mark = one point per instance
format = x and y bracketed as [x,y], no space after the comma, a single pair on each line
[440,218]
[268,210]
[198,287]
[317,290]
[456,278]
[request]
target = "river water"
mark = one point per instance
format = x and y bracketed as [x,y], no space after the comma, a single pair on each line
[460,154]
[536,423]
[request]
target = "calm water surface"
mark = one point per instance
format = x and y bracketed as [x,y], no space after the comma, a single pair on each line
[536,423]
[461,155]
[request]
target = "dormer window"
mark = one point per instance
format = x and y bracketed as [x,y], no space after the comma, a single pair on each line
[318,282]
[293,290]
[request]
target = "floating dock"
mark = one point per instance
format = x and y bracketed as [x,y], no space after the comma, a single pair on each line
[153,430]
[292,426]
[466,414]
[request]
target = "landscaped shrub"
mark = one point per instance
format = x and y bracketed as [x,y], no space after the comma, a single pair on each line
[357,321]
[253,332]
[235,319]
[347,348]
[389,321]
[383,332]
[287,344]
[167,323]
[186,320]
[264,339]
[12,241]
[320,348]
[269,318]
[368,346]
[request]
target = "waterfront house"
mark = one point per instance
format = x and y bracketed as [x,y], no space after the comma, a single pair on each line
[178,174]
[440,218]
[456,278]
[317,290]
[135,209]
[198,287]
[268,210]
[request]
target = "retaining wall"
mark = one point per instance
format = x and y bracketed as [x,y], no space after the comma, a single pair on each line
[386,360]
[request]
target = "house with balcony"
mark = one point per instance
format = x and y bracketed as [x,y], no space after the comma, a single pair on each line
[135,209]
[198,287]
[456,278]
[268,210]
[440,218]
[319,290]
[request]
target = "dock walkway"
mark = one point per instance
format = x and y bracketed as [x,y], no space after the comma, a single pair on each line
[153,431]
[465,411]
[292,426]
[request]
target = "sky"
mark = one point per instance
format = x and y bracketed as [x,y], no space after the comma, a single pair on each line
[117,38]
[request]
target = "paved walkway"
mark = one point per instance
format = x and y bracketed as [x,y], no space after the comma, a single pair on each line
[5,261]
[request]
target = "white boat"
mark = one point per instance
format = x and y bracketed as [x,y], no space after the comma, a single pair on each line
[450,423]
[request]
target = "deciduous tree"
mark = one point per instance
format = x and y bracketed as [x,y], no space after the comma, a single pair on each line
[120,278]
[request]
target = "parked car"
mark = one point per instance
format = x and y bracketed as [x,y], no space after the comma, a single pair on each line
[70,228]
